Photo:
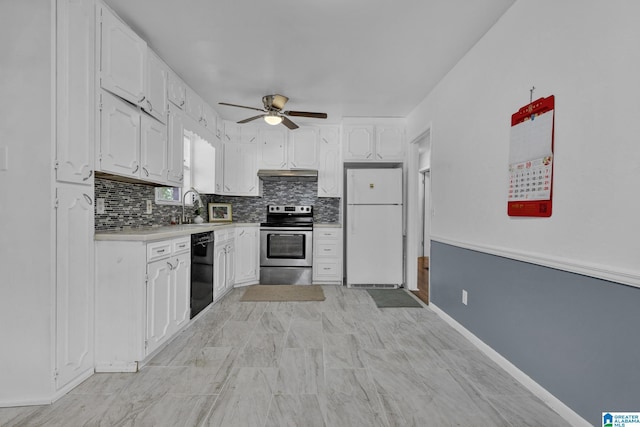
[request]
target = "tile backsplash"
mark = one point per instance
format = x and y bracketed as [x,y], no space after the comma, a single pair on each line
[125,204]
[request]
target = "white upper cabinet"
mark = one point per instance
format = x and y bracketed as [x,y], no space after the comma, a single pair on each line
[119,150]
[123,59]
[358,142]
[381,142]
[193,105]
[157,78]
[303,148]
[176,90]
[175,151]
[272,148]
[153,150]
[279,148]
[209,118]
[329,166]
[390,143]
[240,171]
[75,85]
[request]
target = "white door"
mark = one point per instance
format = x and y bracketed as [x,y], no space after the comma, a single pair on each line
[219,271]
[374,244]
[329,165]
[374,186]
[389,143]
[358,142]
[74,282]
[153,150]
[230,266]
[176,90]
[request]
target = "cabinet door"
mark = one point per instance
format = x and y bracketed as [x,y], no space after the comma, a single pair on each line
[119,137]
[175,151]
[230,265]
[157,74]
[219,165]
[74,282]
[123,59]
[240,172]
[158,303]
[219,270]
[209,117]
[358,142]
[389,143]
[153,150]
[181,281]
[75,81]
[193,105]
[176,90]
[303,148]
[330,166]
[272,148]
[247,255]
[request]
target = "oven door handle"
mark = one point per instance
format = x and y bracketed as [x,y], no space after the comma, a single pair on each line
[277,229]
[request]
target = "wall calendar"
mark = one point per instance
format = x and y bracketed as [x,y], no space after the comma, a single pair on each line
[531,160]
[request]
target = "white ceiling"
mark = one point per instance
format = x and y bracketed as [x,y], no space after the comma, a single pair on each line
[348,58]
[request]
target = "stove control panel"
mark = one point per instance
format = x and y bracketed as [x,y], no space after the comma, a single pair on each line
[290,209]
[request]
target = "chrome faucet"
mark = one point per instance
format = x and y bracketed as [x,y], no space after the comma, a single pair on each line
[184,196]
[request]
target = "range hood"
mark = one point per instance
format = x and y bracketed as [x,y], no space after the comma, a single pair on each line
[288,175]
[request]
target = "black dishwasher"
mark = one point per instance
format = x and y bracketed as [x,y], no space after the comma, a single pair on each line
[201,271]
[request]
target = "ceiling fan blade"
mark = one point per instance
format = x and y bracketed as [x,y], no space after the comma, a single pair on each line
[288,123]
[241,106]
[306,114]
[250,119]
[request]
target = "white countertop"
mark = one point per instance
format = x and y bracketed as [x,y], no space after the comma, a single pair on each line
[327,225]
[146,234]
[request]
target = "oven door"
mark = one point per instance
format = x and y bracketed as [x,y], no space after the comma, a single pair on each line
[286,247]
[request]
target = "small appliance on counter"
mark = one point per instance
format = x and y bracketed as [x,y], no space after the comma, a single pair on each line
[286,249]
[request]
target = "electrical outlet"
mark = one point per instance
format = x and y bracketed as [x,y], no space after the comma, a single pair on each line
[100,206]
[149,207]
[464,297]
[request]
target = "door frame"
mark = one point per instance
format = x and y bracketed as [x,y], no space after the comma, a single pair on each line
[414,217]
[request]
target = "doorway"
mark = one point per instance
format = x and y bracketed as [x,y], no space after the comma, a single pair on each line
[419,214]
[425,228]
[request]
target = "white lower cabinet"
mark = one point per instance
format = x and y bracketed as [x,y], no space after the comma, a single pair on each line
[327,255]
[142,299]
[74,283]
[223,262]
[247,252]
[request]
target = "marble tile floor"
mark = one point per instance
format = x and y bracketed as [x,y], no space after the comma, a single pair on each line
[339,362]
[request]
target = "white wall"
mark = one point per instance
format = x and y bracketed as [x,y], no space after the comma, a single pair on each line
[586,54]
[26,207]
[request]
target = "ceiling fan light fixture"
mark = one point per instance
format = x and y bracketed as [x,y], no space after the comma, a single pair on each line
[273,119]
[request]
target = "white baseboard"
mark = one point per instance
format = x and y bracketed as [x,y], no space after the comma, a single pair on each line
[554,403]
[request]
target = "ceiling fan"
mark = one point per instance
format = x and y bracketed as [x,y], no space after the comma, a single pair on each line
[273,114]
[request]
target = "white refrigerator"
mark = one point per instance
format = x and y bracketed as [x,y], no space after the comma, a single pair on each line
[374,228]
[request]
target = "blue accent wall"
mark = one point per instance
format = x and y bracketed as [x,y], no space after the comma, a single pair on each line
[576,336]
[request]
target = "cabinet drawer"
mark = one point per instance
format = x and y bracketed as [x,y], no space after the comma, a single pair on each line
[327,249]
[327,234]
[158,250]
[327,269]
[181,245]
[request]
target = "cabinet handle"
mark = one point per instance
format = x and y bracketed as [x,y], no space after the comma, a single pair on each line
[149,106]
[326,268]
[160,251]
[146,172]
[88,176]
[369,155]
[142,99]
[136,169]
[379,156]
[182,103]
[88,198]
[170,265]
[327,250]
